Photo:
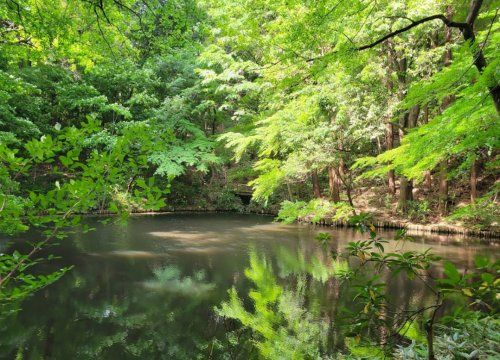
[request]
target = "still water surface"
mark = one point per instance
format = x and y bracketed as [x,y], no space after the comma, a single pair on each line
[147,289]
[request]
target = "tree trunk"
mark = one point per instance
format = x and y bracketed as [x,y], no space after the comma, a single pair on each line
[430,342]
[427,173]
[405,185]
[344,179]
[290,195]
[334,184]
[405,193]
[389,127]
[389,143]
[468,34]
[478,55]
[443,188]
[429,329]
[448,36]
[413,117]
[315,183]
[443,167]
[349,199]
[428,180]
[473,181]
[214,122]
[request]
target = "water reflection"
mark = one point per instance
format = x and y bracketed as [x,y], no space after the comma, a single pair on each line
[306,309]
[281,325]
[134,254]
[149,289]
[169,279]
[322,268]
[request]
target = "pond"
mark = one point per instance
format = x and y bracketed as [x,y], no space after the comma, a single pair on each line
[149,288]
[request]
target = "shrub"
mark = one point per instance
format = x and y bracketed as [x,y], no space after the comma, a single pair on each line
[228,201]
[469,336]
[418,210]
[480,215]
[314,211]
[290,211]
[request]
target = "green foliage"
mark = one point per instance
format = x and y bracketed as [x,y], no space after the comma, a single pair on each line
[480,215]
[240,174]
[313,211]
[418,210]
[12,210]
[363,350]
[320,104]
[105,104]
[290,211]
[110,178]
[97,114]
[228,201]
[25,282]
[469,335]
[53,30]
[479,285]
[270,178]
[412,331]
[466,127]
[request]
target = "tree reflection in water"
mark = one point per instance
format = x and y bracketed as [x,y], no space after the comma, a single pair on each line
[305,309]
[292,303]
[125,325]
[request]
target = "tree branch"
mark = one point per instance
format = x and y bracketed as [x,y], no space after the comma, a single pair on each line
[464,27]
[414,23]
[475,5]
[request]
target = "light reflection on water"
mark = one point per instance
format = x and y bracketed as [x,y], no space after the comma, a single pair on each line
[148,289]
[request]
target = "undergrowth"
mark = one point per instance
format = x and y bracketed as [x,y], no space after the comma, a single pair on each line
[313,211]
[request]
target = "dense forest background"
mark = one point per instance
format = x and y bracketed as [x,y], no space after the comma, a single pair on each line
[320,109]
[368,111]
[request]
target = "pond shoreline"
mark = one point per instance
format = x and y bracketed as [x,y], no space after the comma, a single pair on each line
[414,228]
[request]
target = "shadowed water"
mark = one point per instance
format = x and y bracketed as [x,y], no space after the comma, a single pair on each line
[147,289]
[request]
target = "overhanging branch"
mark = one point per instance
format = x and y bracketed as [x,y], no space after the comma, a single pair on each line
[414,23]
[464,27]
